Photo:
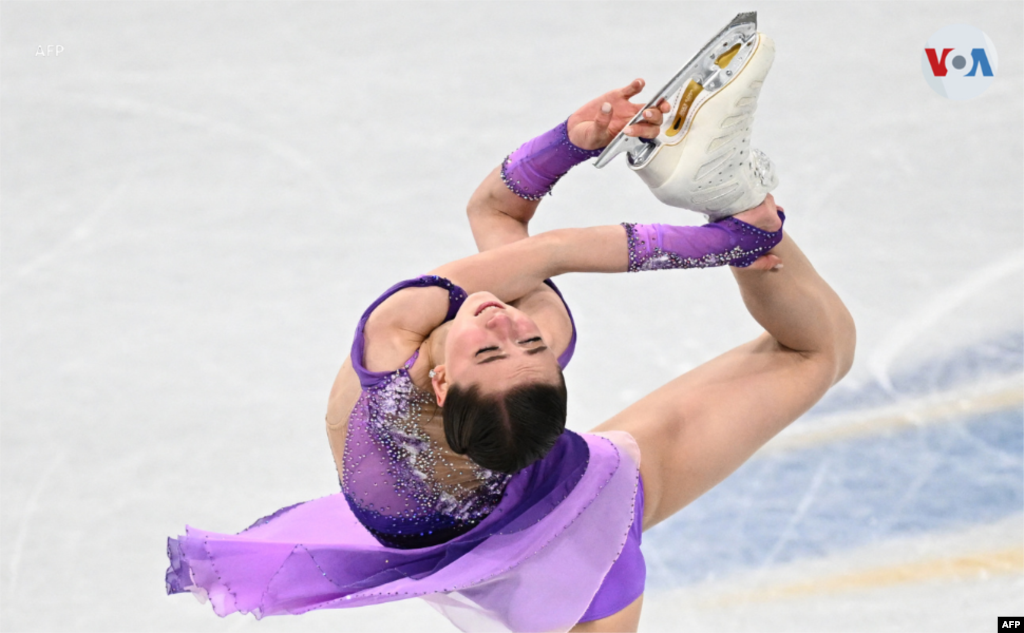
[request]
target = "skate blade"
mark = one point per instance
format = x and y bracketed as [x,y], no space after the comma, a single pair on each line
[707,72]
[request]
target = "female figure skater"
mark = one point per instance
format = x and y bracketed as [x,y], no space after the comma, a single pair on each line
[460,484]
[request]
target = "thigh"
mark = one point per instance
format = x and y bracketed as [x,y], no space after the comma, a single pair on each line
[626,620]
[700,427]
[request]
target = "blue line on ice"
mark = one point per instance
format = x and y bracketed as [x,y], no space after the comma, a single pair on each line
[992,359]
[835,497]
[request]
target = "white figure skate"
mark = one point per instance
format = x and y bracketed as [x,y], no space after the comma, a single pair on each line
[702,159]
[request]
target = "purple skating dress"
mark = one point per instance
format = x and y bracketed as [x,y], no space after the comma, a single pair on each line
[414,519]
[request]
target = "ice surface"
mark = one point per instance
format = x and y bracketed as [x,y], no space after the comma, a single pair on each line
[198,200]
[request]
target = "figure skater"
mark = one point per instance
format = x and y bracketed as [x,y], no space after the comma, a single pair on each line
[459,482]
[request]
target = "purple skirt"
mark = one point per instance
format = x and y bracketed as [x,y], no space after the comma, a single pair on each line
[316,555]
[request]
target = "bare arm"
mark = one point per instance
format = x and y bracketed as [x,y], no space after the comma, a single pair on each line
[496,215]
[500,221]
[499,217]
[513,270]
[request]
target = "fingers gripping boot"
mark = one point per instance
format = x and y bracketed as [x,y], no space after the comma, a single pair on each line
[711,168]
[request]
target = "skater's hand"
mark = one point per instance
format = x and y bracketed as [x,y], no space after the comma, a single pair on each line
[595,124]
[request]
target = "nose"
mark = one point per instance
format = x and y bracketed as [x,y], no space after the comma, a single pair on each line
[500,323]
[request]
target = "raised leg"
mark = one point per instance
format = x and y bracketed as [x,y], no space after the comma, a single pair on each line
[700,427]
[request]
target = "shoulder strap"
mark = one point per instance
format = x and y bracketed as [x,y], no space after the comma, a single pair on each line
[456,296]
[566,356]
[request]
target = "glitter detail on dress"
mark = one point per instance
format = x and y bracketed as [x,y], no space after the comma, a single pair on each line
[572,505]
[402,482]
[532,170]
[569,506]
[729,241]
[401,479]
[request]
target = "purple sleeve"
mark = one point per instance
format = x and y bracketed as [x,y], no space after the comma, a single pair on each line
[531,171]
[728,241]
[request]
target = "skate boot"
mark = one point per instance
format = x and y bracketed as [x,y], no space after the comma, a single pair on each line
[702,159]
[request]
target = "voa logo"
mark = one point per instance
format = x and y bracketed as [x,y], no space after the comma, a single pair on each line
[959,62]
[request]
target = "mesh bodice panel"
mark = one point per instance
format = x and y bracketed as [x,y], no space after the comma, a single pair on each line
[402,480]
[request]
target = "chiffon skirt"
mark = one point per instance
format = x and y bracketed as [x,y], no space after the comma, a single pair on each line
[534,564]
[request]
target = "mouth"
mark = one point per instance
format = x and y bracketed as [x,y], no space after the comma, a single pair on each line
[489,304]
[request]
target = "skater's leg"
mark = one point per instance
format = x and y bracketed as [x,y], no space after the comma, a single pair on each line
[699,428]
[626,620]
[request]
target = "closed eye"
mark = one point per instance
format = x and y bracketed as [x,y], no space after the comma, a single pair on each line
[536,349]
[482,350]
[491,359]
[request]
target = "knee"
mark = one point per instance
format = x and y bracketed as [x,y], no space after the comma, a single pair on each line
[845,344]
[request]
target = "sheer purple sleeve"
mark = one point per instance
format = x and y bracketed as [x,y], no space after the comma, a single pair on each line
[728,241]
[531,171]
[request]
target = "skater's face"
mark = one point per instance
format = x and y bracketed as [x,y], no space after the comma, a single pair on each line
[496,347]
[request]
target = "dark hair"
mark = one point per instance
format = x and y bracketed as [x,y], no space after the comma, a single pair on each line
[505,432]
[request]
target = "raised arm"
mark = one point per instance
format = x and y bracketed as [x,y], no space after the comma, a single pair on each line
[500,211]
[514,269]
[498,215]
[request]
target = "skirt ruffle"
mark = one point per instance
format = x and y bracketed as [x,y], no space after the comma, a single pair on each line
[316,555]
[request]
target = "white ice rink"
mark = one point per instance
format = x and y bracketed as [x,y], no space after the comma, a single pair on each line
[198,200]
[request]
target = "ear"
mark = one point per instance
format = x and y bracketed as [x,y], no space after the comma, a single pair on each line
[440,384]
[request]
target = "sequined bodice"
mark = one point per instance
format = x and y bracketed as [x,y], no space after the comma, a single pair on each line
[401,479]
